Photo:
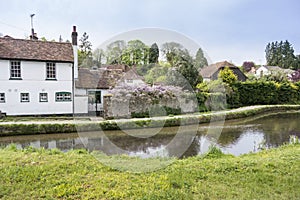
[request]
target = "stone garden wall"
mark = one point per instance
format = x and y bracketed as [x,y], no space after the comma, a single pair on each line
[147,101]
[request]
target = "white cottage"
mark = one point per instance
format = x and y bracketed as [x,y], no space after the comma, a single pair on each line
[36,77]
[268,70]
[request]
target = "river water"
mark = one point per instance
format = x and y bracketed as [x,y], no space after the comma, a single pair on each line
[236,137]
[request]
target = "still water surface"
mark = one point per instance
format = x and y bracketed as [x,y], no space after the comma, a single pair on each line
[237,137]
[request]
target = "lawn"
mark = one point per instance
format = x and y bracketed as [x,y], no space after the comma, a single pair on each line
[51,174]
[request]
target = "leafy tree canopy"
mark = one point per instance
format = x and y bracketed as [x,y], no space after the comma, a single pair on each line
[135,53]
[184,74]
[114,52]
[200,60]
[85,51]
[281,54]
[248,65]
[171,51]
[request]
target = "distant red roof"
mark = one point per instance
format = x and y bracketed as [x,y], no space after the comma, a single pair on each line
[105,77]
[21,49]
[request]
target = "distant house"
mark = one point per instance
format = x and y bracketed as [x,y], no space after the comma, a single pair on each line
[131,77]
[268,70]
[93,84]
[36,76]
[212,71]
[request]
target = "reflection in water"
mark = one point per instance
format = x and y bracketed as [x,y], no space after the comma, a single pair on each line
[238,137]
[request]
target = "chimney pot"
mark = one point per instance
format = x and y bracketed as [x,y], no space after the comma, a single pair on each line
[74,36]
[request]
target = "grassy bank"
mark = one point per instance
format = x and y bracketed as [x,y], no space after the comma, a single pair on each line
[50,174]
[35,127]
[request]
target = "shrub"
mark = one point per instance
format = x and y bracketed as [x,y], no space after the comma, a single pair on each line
[265,92]
[227,76]
[157,111]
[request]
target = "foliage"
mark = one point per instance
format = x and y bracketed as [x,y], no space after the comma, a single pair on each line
[172,51]
[47,174]
[135,53]
[85,49]
[214,86]
[281,54]
[214,152]
[200,60]
[183,74]
[296,76]
[153,53]
[211,101]
[276,76]
[227,76]
[142,90]
[250,93]
[157,111]
[114,52]
[156,74]
[248,65]
[98,57]
[266,93]
[142,70]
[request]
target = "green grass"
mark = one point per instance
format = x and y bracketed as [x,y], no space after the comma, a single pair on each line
[35,118]
[51,174]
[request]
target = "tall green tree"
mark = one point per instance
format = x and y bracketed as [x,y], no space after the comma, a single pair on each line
[85,51]
[98,57]
[281,54]
[153,53]
[136,53]
[200,60]
[183,74]
[114,52]
[172,51]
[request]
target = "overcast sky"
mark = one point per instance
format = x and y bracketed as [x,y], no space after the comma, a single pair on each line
[233,30]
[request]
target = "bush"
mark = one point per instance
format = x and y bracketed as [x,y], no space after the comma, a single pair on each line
[211,101]
[246,94]
[265,93]
[157,111]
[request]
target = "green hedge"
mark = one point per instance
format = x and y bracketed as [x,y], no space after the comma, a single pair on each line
[264,93]
[211,101]
[157,111]
[251,93]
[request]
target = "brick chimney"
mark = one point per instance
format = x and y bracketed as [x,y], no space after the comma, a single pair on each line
[74,36]
[75,51]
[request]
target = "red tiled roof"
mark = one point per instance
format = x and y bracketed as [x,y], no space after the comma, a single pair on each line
[98,79]
[106,77]
[22,49]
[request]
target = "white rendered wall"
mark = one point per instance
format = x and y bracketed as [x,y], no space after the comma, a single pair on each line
[81,104]
[81,101]
[262,71]
[33,81]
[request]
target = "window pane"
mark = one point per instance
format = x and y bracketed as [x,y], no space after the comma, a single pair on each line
[43,97]
[94,96]
[63,96]
[15,69]
[50,71]
[24,97]
[2,97]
